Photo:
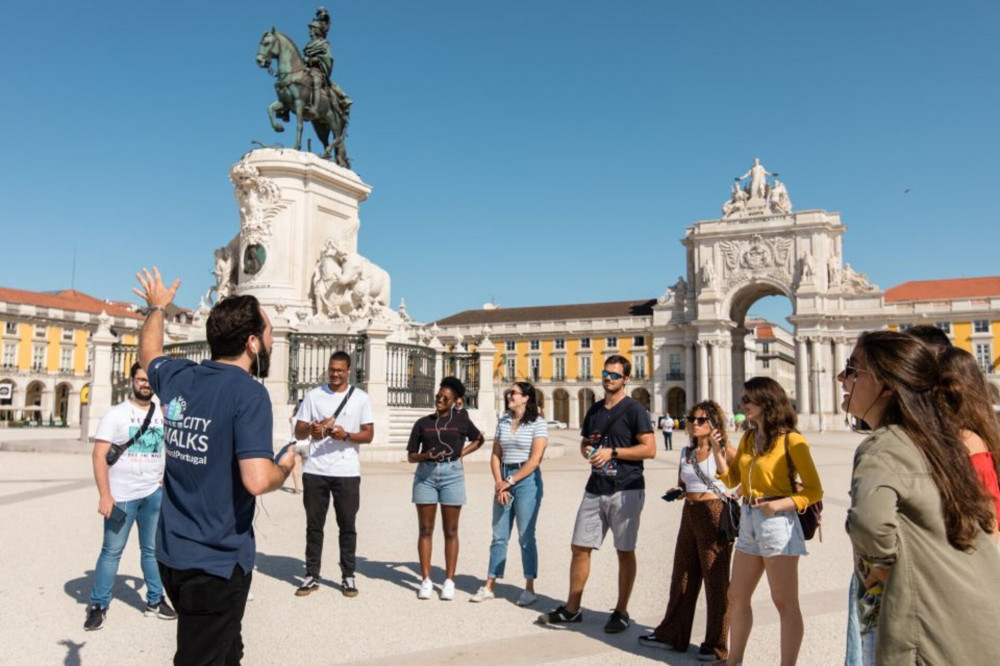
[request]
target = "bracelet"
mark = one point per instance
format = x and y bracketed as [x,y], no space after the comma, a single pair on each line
[155,308]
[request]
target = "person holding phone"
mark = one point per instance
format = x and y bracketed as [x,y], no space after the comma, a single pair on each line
[516,465]
[130,492]
[701,554]
[437,445]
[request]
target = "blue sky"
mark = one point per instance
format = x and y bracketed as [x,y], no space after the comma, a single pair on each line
[524,152]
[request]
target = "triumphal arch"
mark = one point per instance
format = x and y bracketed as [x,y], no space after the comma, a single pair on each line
[761,247]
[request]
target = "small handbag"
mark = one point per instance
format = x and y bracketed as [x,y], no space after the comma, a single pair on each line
[812,518]
[116,450]
[729,521]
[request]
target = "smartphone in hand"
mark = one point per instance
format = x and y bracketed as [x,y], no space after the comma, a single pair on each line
[672,494]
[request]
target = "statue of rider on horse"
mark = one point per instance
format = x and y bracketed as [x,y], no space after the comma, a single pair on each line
[304,87]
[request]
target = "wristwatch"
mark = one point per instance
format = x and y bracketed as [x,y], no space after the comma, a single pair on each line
[347,436]
[614,452]
[510,479]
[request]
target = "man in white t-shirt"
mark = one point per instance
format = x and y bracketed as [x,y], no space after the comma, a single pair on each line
[667,426]
[337,419]
[130,492]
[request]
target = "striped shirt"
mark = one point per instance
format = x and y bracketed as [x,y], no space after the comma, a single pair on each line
[516,446]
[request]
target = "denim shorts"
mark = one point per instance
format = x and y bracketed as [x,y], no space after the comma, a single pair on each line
[439,483]
[769,536]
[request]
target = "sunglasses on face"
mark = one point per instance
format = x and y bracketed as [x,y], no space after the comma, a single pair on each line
[745,400]
[699,420]
[852,370]
[607,374]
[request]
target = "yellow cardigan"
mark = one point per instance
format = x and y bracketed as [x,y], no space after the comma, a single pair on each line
[770,470]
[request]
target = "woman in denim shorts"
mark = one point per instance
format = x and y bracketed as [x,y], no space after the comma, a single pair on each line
[770,538]
[438,444]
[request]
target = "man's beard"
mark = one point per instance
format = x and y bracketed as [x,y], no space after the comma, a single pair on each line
[144,394]
[262,362]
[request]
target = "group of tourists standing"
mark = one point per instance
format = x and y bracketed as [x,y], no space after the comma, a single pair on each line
[922,522]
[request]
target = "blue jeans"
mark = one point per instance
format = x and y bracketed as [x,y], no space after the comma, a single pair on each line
[146,512]
[527,499]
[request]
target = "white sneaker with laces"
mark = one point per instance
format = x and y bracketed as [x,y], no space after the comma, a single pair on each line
[482,594]
[448,590]
[526,599]
[426,589]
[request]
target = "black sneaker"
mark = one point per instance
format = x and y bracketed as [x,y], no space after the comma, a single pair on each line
[706,654]
[161,610]
[95,617]
[308,586]
[348,588]
[650,640]
[560,616]
[617,623]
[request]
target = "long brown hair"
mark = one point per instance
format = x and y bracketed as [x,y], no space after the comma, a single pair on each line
[714,412]
[778,414]
[967,392]
[910,370]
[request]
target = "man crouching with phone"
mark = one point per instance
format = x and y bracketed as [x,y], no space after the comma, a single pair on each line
[617,437]
[128,469]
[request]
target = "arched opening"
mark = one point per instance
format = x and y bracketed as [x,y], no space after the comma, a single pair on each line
[62,402]
[541,403]
[763,339]
[560,405]
[33,402]
[641,396]
[676,402]
[7,389]
[586,399]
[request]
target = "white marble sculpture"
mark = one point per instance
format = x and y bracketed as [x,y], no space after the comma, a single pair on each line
[758,181]
[259,199]
[780,203]
[225,272]
[758,197]
[345,284]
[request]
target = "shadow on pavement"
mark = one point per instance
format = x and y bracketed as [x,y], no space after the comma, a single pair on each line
[125,590]
[72,652]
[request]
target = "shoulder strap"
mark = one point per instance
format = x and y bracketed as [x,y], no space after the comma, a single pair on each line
[143,428]
[613,420]
[343,403]
[791,466]
[701,473]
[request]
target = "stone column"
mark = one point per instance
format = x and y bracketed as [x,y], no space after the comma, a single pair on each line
[724,351]
[840,354]
[277,381]
[376,364]
[574,409]
[802,375]
[100,366]
[73,407]
[818,384]
[702,373]
[487,396]
[689,373]
[738,363]
[48,396]
[717,379]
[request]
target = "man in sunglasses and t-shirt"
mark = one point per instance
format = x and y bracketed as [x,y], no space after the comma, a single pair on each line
[617,437]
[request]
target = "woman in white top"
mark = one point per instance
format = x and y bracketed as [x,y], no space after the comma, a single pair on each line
[701,554]
[518,447]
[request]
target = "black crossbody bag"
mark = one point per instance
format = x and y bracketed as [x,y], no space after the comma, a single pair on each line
[116,450]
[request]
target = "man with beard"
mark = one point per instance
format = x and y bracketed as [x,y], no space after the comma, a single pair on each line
[130,492]
[337,419]
[218,440]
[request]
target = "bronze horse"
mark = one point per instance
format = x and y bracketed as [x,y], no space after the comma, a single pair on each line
[294,87]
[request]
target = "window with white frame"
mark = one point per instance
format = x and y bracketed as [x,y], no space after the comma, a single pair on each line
[585,367]
[534,345]
[510,372]
[9,355]
[981,326]
[639,366]
[38,357]
[67,334]
[40,331]
[536,369]
[511,345]
[560,343]
[765,363]
[10,327]
[66,359]
[944,326]
[560,368]
[584,343]
[638,340]
[984,356]
[675,364]
[611,342]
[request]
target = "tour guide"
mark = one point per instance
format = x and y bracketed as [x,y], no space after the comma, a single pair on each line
[217,432]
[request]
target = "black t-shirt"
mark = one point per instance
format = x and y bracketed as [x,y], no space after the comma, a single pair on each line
[629,421]
[448,433]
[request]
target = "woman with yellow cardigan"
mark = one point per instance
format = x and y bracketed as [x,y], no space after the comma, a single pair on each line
[770,538]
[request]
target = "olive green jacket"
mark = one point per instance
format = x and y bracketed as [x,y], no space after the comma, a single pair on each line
[941,605]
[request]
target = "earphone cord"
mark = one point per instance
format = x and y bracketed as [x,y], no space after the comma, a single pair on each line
[437,429]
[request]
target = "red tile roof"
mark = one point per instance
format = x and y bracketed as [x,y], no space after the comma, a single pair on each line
[551,312]
[943,290]
[68,299]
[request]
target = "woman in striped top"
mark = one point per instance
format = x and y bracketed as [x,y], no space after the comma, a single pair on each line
[518,447]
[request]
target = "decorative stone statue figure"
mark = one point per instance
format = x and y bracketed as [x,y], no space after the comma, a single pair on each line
[708,275]
[780,203]
[758,182]
[736,203]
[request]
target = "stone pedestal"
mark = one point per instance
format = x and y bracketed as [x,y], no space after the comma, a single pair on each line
[100,388]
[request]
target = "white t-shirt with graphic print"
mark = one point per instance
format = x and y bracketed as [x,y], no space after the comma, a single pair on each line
[329,457]
[139,471]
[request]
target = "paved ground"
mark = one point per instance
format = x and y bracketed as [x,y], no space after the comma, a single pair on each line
[53,535]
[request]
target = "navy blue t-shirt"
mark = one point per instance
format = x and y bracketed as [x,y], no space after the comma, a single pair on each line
[215,415]
[628,420]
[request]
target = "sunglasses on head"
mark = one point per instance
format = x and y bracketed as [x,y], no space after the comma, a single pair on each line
[607,374]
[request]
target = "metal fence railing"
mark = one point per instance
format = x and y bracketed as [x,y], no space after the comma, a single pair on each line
[309,358]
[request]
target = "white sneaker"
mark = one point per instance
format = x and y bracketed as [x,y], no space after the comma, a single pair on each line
[526,599]
[448,590]
[482,594]
[426,589]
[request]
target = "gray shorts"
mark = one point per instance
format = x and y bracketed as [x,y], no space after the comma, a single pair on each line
[619,511]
